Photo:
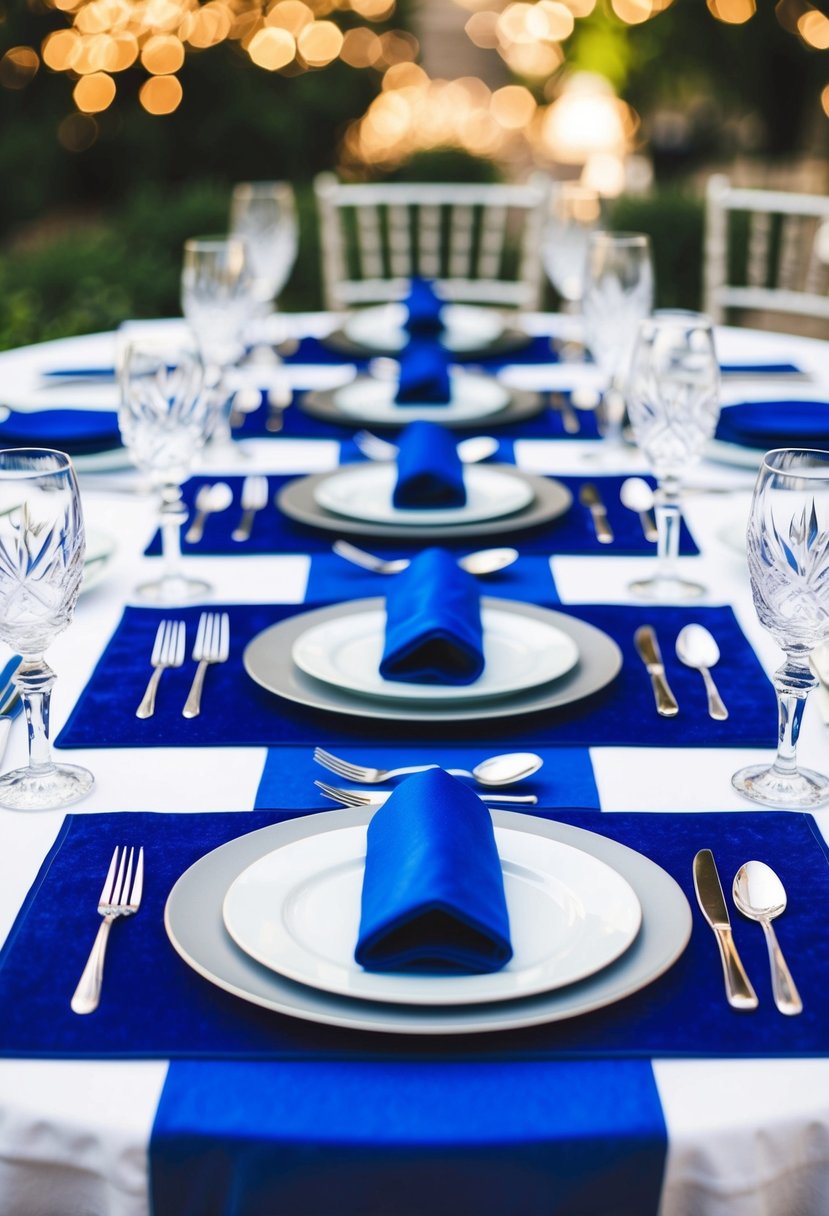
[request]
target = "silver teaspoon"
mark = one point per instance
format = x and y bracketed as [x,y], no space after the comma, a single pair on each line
[636,495]
[695,647]
[210,498]
[760,895]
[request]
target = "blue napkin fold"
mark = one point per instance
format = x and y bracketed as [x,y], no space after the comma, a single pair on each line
[774,424]
[759,369]
[424,373]
[423,309]
[77,432]
[433,623]
[433,892]
[429,470]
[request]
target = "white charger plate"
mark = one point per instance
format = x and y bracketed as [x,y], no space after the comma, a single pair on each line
[472,396]
[297,911]
[466,327]
[365,492]
[519,653]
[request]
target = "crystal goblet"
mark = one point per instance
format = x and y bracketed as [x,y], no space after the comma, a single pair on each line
[788,563]
[42,546]
[673,403]
[573,212]
[168,405]
[263,214]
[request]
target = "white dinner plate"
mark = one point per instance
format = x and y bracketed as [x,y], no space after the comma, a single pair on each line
[365,492]
[466,327]
[519,653]
[297,911]
[472,396]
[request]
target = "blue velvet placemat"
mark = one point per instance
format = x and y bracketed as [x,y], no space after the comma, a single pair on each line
[237,712]
[573,533]
[565,779]
[333,578]
[529,1139]
[154,1005]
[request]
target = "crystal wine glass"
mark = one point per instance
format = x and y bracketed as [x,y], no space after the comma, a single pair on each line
[618,294]
[218,301]
[263,214]
[788,564]
[168,406]
[674,402]
[42,546]
[573,213]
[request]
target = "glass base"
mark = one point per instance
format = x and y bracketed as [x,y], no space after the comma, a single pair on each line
[666,590]
[172,591]
[27,789]
[762,783]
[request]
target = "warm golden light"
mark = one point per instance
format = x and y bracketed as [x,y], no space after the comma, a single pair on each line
[290,15]
[272,48]
[77,132]
[18,67]
[585,120]
[732,12]
[162,54]
[482,29]
[559,20]
[361,48]
[513,106]
[538,59]
[319,43]
[632,12]
[94,93]
[160,95]
[824,100]
[58,49]
[813,28]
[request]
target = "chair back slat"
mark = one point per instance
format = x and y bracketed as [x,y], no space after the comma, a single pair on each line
[369,242]
[492,242]
[429,240]
[460,241]
[401,262]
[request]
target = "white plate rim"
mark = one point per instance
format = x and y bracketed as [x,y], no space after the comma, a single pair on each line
[288,958]
[352,402]
[391,318]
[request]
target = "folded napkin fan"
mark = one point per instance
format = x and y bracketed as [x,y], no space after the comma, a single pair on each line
[77,432]
[429,470]
[772,424]
[423,309]
[433,891]
[424,373]
[434,633]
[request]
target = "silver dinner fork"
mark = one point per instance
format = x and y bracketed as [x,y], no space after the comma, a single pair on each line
[368,561]
[375,448]
[212,645]
[121,896]
[168,651]
[378,797]
[365,775]
[254,498]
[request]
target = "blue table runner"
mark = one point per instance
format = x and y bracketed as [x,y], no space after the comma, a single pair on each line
[237,712]
[572,533]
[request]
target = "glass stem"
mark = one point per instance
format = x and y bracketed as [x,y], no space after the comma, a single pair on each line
[35,680]
[613,412]
[668,514]
[792,682]
[172,516]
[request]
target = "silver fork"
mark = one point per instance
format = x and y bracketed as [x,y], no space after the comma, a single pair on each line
[368,561]
[121,896]
[375,448]
[365,775]
[471,450]
[378,797]
[254,498]
[212,645]
[168,651]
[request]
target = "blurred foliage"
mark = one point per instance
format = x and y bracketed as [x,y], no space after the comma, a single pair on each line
[674,222]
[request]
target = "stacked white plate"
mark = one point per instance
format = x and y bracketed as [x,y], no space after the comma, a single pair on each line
[466,327]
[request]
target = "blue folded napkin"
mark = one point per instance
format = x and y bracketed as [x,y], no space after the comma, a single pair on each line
[774,424]
[433,892]
[77,432]
[759,369]
[429,470]
[433,623]
[424,374]
[423,309]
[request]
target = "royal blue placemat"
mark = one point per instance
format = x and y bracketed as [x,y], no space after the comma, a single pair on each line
[333,578]
[573,533]
[154,1005]
[565,779]
[237,712]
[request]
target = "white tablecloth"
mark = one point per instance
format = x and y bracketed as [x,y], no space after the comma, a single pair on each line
[745,1137]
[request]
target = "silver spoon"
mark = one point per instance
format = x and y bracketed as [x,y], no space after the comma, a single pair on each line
[695,647]
[481,562]
[210,498]
[636,495]
[760,895]
[472,450]
[494,771]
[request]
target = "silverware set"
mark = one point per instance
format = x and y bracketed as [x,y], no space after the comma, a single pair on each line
[352,797]
[759,895]
[470,451]
[212,645]
[493,772]
[481,562]
[212,498]
[695,648]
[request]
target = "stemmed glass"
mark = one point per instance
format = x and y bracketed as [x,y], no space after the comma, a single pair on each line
[674,402]
[42,546]
[618,294]
[217,300]
[168,406]
[573,213]
[263,214]
[788,564]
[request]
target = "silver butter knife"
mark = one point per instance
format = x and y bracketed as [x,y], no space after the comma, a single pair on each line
[738,989]
[589,497]
[648,650]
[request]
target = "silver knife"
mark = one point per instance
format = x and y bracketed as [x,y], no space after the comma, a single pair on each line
[738,989]
[569,417]
[648,650]
[589,497]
